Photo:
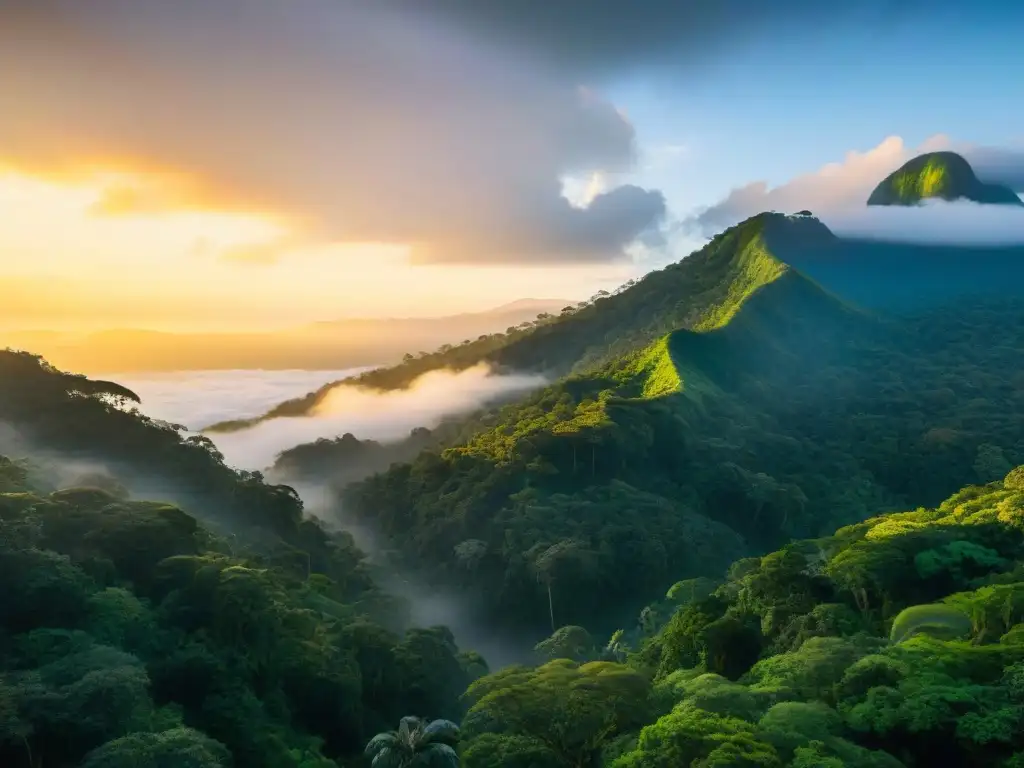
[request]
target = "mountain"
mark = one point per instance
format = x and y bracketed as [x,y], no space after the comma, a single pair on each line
[943,175]
[335,344]
[888,277]
[778,383]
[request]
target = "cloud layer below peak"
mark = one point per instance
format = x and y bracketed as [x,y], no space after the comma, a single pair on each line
[837,194]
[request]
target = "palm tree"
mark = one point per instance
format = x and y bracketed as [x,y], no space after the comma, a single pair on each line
[416,744]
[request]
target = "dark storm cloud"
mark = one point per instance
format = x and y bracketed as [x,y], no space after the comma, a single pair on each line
[601,36]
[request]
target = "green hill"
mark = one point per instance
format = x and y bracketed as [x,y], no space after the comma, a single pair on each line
[895,642]
[891,277]
[216,626]
[942,175]
[756,406]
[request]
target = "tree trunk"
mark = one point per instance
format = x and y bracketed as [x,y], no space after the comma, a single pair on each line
[551,608]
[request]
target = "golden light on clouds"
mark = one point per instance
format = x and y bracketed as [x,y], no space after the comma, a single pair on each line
[91,247]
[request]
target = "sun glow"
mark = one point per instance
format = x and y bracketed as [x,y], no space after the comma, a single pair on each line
[93,247]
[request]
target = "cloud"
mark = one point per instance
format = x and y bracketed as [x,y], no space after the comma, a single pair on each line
[348,121]
[589,37]
[198,398]
[998,165]
[936,222]
[369,414]
[445,125]
[838,192]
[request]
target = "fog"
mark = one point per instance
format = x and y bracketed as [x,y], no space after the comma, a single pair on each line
[372,414]
[428,605]
[935,222]
[197,398]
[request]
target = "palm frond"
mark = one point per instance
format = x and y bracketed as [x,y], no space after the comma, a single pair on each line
[379,742]
[407,726]
[441,731]
[387,757]
[436,755]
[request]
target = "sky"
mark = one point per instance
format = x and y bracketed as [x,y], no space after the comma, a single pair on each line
[245,164]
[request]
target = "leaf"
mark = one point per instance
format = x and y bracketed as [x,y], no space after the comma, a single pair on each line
[440,731]
[437,756]
[380,742]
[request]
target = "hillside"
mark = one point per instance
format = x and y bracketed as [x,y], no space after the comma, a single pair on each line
[769,409]
[895,642]
[893,278]
[131,634]
[217,624]
[331,345]
[583,338]
[941,175]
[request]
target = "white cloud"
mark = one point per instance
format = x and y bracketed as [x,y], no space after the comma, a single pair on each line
[197,399]
[370,414]
[936,222]
[837,193]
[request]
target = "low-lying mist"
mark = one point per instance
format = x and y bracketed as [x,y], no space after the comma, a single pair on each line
[428,605]
[934,222]
[372,414]
[198,398]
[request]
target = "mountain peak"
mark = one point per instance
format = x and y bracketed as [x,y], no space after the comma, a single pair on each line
[942,175]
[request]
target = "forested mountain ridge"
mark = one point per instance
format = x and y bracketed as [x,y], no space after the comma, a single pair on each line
[584,337]
[893,278]
[768,409]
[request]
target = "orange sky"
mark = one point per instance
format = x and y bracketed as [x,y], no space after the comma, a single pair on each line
[80,251]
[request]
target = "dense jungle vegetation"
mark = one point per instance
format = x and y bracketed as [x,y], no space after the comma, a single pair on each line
[726,407]
[131,636]
[133,633]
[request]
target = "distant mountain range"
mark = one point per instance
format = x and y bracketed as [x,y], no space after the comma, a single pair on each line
[331,345]
[941,175]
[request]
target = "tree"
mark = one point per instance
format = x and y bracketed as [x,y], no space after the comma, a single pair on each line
[571,642]
[990,463]
[470,552]
[416,744]
[176,748]
[572,709]
[565,558]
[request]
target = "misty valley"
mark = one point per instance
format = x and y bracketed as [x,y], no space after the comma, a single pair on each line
[762,507]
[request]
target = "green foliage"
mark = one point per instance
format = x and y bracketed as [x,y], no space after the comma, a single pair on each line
[176,748]
[565,708]
[850,696]
[122,623]
[571,642]
[416,744]
[937,620]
